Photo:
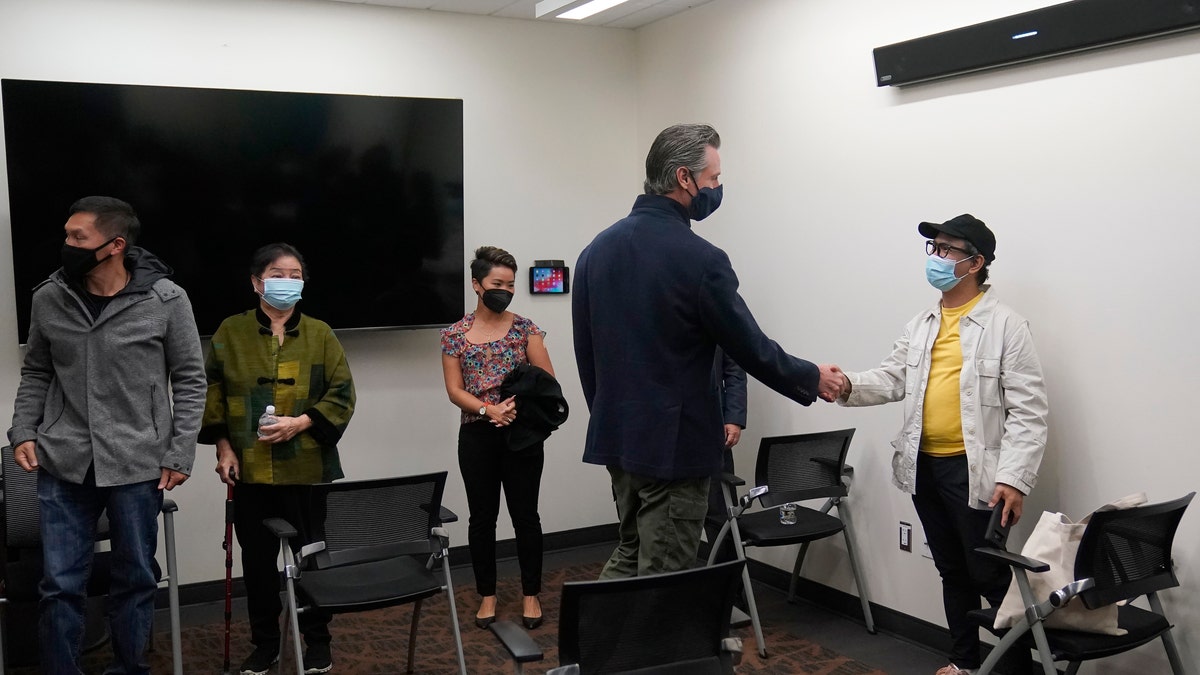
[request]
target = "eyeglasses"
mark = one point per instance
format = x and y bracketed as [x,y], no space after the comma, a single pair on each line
[943,249]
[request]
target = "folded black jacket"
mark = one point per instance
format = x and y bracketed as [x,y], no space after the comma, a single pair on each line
[541,407]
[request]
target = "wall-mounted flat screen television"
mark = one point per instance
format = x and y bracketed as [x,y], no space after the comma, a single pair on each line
[368,188]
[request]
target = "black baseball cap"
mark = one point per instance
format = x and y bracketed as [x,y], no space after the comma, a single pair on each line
[966,227]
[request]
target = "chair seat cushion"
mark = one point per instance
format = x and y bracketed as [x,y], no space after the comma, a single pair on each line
[763,528]
[1070,645]
[364,586]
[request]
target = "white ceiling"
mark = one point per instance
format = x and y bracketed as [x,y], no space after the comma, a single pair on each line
[631,14]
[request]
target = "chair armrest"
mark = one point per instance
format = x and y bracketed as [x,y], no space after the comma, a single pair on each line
[280,528]
[754,493]
[169,506]
[1063,595]
[731,479]
[1014,559]
[520,646]
[447,516]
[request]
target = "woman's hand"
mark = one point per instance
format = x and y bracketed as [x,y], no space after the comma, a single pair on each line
[285,429]
[228,467]
[503,413]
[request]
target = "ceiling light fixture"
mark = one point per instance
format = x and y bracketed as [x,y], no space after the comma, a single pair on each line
[573,9]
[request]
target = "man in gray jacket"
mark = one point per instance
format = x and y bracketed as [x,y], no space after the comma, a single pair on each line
[112,342]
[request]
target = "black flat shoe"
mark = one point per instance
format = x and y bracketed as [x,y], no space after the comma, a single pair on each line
[531,622]
[485,621]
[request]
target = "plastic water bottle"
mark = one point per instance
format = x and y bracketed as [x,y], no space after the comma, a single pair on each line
[268,418]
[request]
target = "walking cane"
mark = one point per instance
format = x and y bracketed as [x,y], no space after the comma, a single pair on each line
[228,546]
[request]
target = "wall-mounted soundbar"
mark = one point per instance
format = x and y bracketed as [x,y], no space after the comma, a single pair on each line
[1041,33]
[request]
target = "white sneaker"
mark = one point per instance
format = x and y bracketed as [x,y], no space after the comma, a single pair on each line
[953,670]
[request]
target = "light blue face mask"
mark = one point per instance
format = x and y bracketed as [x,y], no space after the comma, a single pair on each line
[940,272]
[282,293]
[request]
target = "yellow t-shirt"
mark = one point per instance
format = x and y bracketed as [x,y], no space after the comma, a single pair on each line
[941,431]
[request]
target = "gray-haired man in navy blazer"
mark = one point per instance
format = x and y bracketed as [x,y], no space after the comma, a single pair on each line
[652,302]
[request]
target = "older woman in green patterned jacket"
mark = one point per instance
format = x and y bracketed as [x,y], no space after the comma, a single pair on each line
[274,355]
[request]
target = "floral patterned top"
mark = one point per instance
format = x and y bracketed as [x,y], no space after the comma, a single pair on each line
[484,366]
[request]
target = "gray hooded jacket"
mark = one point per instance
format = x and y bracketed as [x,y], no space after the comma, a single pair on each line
[100,392]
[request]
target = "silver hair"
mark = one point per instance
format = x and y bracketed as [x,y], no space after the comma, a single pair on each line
[680,145]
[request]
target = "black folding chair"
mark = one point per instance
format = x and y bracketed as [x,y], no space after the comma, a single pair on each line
[381,540]
[1124,554]
[793,469]
[21,558]
[664,624]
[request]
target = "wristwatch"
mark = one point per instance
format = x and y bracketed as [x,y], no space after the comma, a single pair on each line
[483,411]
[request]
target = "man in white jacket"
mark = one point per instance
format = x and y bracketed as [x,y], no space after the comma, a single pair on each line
[974,420]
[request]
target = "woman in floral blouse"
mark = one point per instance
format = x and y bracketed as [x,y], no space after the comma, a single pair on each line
[477,353]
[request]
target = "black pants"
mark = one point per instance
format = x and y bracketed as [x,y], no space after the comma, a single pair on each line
[954,530]
[487,465]
[253,503]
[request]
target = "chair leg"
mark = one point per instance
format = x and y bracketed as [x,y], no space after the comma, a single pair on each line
[1168,640]
[291,622]
[412,635]
[1038,630]
[462,661]
[173,592]
[751,603]
[1073,667]
[859,581]
[800,555]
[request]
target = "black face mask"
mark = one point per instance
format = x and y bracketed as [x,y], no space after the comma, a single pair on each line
[497,299]
[78,261]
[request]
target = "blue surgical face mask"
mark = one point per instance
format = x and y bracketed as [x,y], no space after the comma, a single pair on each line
[705,201]
[940,272]
[282,293]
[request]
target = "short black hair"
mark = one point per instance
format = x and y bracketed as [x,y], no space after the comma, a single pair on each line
[487,257]
[114,218]
[268,254]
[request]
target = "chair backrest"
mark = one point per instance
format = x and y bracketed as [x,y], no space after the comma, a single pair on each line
[22,518]
[620,625]
[803,466]
[376,519]
[1128,551]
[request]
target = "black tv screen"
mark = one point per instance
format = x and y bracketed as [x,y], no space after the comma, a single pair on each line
[368,188]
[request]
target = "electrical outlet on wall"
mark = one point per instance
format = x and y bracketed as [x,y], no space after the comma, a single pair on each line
[906,536]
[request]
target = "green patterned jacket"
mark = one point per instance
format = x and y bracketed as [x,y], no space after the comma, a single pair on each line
[248,370]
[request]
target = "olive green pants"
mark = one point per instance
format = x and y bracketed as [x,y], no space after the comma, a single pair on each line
[660,524]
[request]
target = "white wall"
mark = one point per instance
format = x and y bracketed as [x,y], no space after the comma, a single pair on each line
[550,158]
[1086,169]
[1084,166]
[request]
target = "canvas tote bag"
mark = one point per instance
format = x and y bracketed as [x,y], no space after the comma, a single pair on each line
[1055,540]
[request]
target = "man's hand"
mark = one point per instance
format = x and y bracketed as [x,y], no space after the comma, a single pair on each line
[733,434]
[830,386]
[1014,500]
[171,478]
[26,456]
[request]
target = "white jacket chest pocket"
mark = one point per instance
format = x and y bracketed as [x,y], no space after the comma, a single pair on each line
[989,382]
[912,372]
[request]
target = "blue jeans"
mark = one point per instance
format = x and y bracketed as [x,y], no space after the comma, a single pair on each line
[69,513]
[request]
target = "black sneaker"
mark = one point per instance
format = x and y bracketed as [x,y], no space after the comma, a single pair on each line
[260,660]
[317,659]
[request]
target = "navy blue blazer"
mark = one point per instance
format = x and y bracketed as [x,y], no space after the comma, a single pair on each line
[652,300]
[732,381]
